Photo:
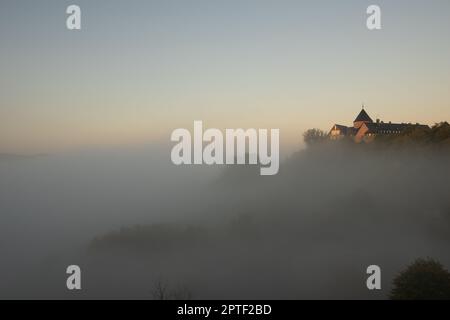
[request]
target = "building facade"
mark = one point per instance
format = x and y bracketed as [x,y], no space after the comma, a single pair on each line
[365,129]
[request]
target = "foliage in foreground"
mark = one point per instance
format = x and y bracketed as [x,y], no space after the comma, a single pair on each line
[425,279]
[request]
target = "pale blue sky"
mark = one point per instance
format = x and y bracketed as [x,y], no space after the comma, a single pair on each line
[139,69]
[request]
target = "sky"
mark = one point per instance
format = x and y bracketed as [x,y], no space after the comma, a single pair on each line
[140,69]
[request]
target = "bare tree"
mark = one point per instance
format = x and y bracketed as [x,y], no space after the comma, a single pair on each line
[162,291]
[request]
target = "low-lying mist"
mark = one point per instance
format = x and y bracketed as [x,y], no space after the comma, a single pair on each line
[134,222]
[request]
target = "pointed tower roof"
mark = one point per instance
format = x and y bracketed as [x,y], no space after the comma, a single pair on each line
[363,116]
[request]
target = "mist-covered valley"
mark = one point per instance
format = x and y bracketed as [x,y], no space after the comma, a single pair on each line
[137,225]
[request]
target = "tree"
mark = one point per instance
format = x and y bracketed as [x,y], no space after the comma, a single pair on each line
[163,291]
[314,136]
[425,279]
[440,132]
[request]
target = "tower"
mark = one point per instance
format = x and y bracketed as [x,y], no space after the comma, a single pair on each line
[362,118]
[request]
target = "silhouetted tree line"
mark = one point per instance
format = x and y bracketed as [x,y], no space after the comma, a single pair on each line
[314,136]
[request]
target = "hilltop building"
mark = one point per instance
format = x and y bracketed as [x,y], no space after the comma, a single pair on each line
[365,129]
